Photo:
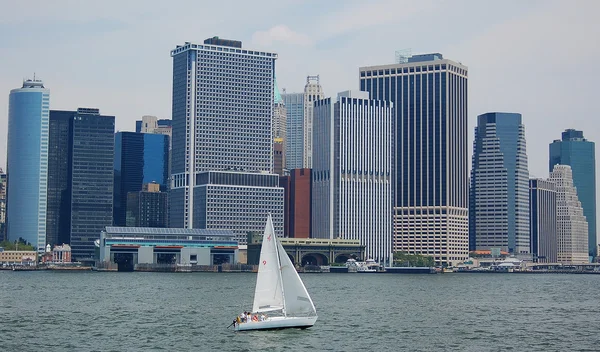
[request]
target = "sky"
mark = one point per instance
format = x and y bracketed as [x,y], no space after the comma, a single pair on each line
[537,58]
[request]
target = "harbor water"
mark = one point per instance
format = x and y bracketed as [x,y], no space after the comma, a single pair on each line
[110,311]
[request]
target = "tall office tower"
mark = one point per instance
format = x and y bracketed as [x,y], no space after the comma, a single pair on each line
[352,173]
[499,206]
[27,163]
[542,196]
[279,132]
[223,138]
[299,108]
[572,227]
[2,205]
[80,175]
[294,142]
[60,145]
[140,158]
[312,92]
[431,185]
[148,207]
[579,153]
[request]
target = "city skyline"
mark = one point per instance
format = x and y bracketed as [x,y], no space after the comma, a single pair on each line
[536,48]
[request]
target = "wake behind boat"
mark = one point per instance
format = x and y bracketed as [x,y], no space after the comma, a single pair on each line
[280,298]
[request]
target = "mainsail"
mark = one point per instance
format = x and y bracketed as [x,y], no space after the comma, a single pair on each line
[268,295]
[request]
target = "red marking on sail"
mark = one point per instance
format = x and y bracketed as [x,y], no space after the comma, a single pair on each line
[269,238]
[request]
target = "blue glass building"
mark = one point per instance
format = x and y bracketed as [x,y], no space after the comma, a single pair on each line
[579,153]
[431,186]
[140,158]
[499,193]
[81,178]
[27,163]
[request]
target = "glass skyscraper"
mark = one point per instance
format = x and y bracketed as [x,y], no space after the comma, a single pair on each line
[140,158]
[431,186]
[223,138]
[352,172]
[579,153]
[80,178]
[499,206]
[27,163]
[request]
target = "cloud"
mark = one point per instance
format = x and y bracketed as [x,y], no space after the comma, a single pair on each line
[370,13]
[280,34]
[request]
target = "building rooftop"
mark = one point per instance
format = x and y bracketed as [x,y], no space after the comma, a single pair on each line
[223,42]
[33,83]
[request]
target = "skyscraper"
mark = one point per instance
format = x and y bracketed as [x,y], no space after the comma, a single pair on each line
[572,227]
[279,132]
[352,172]
[299,108]
[294,143]
[223,138]
[27,163]
[80,177]
[431,184]
[312,92]
[499,206]
[542,196]
[140,158]
[2,205]
[579,153]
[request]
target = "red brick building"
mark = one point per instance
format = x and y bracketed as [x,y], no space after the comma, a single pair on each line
[300,203]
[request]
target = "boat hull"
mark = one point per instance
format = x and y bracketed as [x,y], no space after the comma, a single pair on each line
[278,323]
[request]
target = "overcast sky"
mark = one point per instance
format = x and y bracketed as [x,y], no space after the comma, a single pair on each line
[537,58]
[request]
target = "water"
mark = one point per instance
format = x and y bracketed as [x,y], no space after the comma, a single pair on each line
[90,311]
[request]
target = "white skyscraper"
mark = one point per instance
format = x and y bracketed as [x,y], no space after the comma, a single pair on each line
[299,106]
[572,226]
[222,156]
[352,172]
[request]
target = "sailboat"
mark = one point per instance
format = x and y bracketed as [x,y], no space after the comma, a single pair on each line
[280,298]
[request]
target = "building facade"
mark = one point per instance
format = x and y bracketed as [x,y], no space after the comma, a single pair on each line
[300,203]
[2,205]
[499,193]
[294,143]
[140,158]
[27,162]
[223,122]
[572,226]
[148,208]
[352,182]
[542,220]
[81,178]
[579,153]
[299,109]
[312,92]
[279,132]
[431,183]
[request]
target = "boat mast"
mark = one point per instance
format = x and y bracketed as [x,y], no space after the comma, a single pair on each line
[280,273]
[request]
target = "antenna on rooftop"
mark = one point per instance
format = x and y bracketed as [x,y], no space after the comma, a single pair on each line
[403,55]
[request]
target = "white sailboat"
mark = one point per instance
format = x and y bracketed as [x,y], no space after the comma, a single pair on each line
[280,293]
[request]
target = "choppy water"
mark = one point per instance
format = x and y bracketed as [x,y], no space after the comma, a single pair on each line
[89,311]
